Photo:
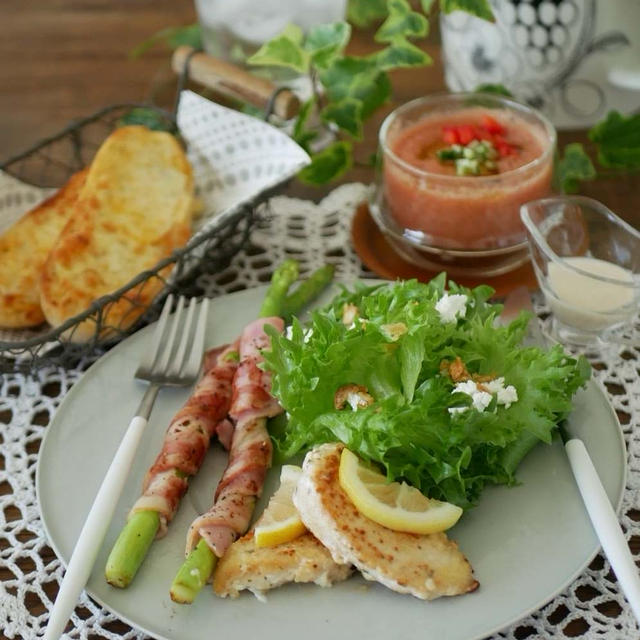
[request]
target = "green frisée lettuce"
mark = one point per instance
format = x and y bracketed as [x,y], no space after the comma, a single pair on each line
[418,426]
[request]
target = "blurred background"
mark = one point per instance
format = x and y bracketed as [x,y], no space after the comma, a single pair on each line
[63,59]
[66,58]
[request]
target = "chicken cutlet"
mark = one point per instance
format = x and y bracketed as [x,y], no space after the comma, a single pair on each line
[258,569]
[426,566]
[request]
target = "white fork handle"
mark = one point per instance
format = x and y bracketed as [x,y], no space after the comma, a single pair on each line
[94,530]
[605,522]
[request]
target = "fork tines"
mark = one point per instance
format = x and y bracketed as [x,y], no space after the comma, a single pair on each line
[178,342]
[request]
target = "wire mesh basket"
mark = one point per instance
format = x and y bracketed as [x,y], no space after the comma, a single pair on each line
[49,164]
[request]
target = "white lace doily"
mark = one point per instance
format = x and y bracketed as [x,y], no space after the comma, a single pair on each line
[592,607]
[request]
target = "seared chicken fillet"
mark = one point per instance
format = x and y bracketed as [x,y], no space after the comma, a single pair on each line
[258,569]
[426,566]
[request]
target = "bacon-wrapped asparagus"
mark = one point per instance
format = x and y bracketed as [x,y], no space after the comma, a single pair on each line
[185,443]
[212,533]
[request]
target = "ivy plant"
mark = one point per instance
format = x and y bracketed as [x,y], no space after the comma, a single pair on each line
[347,89]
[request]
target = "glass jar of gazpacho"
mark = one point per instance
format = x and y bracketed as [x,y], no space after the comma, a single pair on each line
[455,170]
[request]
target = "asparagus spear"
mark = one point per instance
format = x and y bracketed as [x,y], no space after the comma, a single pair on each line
[307,291]
[201,561]
[140,530]
[138,533]
[193,574]
[283,277]
[131,547]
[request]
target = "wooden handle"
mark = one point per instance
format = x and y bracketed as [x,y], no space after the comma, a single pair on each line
[232,80]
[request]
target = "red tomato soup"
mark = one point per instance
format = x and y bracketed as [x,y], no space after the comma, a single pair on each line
[427,194]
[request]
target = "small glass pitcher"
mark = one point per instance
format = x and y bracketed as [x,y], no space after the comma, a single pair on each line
[587,262]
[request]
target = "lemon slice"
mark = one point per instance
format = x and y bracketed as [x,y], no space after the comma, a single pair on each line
[280,521]
[394,505]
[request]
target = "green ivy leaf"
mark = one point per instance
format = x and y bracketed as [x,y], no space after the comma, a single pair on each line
[426,5]
[497,89]
[574,167]
[359,78]
[363,13]
[402,22]
[347,114]
[325,41]
[479,8]
[173,37]
[285,50]
[147,117]
[303,116]
[618,140]
[328,164]
[301,134]
[401,53]
[294,33]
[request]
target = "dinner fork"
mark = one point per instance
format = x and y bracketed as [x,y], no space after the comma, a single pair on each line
[174,359]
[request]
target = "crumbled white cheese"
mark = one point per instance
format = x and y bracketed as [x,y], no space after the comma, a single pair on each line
[349,314]
[354,400]
[451,307]
[288,333]
[355,395]
[482,393]
[506,395]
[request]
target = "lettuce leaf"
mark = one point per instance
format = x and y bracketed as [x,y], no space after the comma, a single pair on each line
[408,429]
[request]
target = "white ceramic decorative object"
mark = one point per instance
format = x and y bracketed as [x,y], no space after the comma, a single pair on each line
[575,60]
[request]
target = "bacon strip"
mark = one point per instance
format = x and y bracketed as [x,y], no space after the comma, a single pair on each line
[188,436]
[250,454]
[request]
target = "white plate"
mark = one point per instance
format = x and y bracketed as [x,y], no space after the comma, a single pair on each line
[526,543]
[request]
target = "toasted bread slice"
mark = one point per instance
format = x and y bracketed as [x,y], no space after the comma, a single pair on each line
[258,569]
[24,247]
[133,210]
[426,566]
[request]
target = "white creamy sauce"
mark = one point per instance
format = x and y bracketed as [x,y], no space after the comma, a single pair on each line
[582,301]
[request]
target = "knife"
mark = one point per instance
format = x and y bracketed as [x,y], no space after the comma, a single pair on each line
[603,517]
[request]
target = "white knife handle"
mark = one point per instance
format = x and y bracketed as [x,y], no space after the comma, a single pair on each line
[605,522]
[94,530]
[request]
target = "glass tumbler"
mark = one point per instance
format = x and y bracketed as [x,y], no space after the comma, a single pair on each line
[587,262]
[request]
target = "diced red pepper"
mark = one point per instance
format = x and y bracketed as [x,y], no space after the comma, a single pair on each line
[480,133]
[489,129]
[450,135]
[492,125]
[504,149]
[466,133]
